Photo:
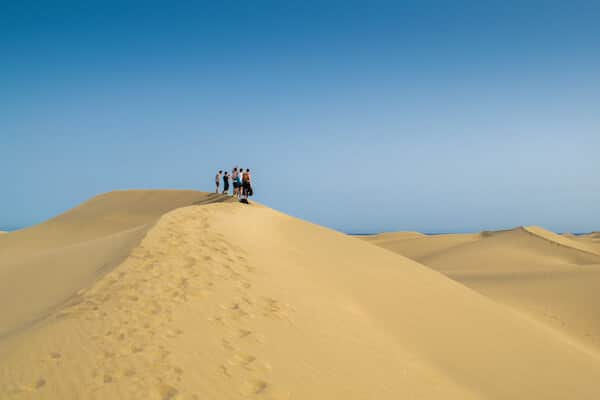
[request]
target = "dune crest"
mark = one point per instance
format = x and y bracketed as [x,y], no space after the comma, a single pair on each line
[227,301]
[46,264]
[558,239]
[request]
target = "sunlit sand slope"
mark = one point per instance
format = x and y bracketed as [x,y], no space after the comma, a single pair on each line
[417,246]
[560,240]
[552,278]
[591,240]
[226,301]
[42,266]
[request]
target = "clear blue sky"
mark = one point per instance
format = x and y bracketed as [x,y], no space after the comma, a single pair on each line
[362,116]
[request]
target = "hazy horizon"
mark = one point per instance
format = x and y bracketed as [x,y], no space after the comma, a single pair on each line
[360,116]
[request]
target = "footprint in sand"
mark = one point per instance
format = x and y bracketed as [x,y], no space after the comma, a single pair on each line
[227,345]
[242,333]
[256,386]
[167,392]
[244,360]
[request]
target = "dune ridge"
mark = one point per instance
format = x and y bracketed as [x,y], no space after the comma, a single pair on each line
[559,240]
[591,240]
[227,301]
[76,248]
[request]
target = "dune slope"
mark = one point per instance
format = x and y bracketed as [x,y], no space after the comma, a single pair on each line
[418,246]
[591,240]
[226,301]
[560,240]
[551,278]
[43,266]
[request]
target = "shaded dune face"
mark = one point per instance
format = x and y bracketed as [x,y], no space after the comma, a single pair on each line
[227,301]
[44,266]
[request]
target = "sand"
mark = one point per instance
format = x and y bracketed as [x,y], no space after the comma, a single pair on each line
[591,240]
[225,301]
[45,265]
[554,279]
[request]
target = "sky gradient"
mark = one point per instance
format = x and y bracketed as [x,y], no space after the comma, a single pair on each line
[435,116]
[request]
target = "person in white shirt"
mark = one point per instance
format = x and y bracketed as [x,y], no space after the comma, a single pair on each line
[218,180]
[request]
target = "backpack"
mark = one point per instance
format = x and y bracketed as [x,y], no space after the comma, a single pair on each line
[245,177]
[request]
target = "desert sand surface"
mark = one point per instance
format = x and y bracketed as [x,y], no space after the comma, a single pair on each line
[591,240]
[220,300]
[553,278]
[45,265]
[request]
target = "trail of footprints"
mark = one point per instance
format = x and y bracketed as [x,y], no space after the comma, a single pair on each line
[184,261]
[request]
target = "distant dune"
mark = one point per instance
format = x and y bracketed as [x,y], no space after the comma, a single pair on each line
[553,278]
[560,240]
[185,295]
[591,240]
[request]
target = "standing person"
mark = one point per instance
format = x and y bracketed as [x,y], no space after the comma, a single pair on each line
[226,183]
[234,176]
[238,181]
[247,183]
[218,180]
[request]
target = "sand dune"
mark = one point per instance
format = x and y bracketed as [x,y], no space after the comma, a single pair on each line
[560,240]
[395,235]
[591,240]
[416,247]
[45,265]
[552,278]
[226,301]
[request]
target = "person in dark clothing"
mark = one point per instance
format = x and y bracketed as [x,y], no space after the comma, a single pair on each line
[247,184]
[226,183]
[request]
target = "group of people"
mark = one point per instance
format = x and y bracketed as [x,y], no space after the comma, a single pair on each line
[241,180]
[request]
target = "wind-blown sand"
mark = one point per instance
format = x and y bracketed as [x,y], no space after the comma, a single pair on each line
[226,301]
